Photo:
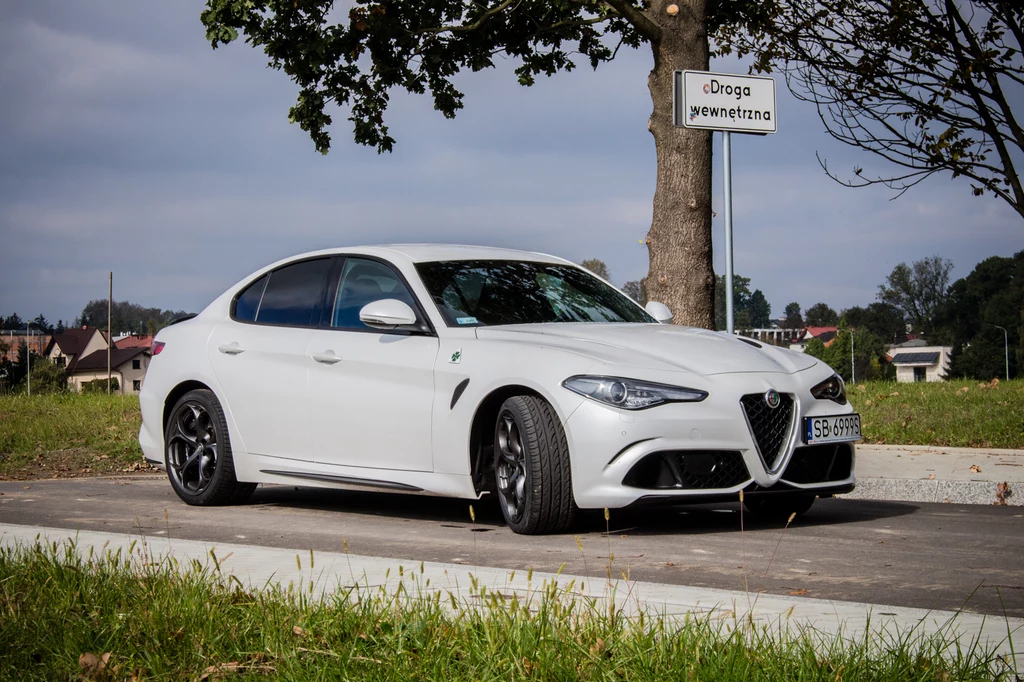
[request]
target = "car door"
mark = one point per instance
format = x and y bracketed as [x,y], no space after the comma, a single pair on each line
[260,357]
[371,391]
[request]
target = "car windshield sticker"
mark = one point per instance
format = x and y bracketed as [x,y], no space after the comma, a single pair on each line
[467,320]
[456,357]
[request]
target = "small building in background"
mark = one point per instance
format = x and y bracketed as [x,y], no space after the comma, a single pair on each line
[824,334]
[917,361]
[11,341]
[127,366]
[83,355]
[66,348]
[134,341]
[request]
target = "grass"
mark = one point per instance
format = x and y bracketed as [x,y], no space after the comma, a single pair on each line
[69,434]
[68,616]
[954,413]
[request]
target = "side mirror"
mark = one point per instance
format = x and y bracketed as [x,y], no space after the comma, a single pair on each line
[658,311]
[387,313]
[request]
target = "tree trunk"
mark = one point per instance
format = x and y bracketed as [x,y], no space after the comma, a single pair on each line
[679,242]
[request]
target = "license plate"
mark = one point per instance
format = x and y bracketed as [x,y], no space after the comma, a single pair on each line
[835,429]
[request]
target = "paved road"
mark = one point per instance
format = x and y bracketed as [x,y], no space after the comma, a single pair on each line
[899,553]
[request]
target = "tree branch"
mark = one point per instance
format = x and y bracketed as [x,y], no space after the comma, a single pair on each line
[636,18]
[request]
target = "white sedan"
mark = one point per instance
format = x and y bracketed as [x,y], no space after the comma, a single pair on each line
[470,372]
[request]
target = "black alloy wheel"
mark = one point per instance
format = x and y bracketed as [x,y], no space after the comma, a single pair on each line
[510,468]
[531,467]
[198,453]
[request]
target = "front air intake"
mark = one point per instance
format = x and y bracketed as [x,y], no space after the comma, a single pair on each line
[771,427]
[688,470]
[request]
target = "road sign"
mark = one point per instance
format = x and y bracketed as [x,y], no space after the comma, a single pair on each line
[722,101]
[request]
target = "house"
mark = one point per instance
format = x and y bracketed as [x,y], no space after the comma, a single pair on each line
[773,335]
[824,334]
[83,354]
[134,341]
[10,341]
[127,365]
[64,349]
[917,361]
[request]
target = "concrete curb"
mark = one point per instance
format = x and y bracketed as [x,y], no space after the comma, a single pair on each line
[926,473]
[953,492]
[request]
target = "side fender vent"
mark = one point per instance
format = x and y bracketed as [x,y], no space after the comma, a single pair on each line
[457,393]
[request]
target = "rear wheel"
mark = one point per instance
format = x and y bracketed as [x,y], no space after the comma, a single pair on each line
[779,505]
[198,452]
[531,467]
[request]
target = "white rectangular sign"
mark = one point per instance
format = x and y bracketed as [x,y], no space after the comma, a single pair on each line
[723,101]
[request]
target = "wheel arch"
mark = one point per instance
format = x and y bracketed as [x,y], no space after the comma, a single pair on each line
[481,432]
[174,395]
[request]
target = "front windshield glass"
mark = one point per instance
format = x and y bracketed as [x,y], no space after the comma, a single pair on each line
[490,292]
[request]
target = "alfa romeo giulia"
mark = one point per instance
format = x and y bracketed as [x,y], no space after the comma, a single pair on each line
[471,372]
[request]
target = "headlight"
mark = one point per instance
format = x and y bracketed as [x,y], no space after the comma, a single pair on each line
[832,389]
[631,394]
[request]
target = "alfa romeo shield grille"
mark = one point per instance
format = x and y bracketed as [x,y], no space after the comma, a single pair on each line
[770,427]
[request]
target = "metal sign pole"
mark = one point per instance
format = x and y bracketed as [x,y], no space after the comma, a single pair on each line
[703,100]
[727,184]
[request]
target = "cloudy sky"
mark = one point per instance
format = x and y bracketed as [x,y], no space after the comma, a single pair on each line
[127,144]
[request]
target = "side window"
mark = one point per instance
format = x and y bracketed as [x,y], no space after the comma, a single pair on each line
[248,302]
[365,281]
[294,293]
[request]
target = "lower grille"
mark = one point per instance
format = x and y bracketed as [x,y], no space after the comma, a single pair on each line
[688,470]
[820,464]
[770,427]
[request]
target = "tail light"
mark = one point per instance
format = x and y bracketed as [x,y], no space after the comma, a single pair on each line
[156,348]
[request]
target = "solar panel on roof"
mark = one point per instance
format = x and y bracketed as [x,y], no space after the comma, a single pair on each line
[915,359]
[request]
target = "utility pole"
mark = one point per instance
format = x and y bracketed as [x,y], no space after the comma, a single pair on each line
[1006,351]
[28,355]
[853,366]
[110,330]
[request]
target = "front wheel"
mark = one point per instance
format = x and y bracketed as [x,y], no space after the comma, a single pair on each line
[531,467]
[198,452]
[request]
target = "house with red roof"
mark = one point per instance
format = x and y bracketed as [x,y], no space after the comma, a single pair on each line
[83,354]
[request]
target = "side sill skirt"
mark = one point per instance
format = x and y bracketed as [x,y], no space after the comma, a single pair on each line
[346,480]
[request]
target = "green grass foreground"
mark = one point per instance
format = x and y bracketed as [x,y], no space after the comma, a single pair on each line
[951,413]
[122,617]
[69,431]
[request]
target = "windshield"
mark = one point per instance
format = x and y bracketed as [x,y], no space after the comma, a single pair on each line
[489,292]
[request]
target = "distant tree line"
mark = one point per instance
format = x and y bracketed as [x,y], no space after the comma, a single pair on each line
[127,317]
[40,324]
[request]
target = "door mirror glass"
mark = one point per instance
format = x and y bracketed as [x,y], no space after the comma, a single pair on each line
[387,313]
[658,311]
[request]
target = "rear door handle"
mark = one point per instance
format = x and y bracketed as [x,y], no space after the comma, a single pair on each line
[327,357]
[231,348]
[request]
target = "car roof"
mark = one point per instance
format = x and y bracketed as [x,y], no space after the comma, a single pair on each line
[425,253]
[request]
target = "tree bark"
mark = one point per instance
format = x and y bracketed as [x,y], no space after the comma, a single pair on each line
[679,242]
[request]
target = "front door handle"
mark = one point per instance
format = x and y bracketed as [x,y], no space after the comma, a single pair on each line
[327,357]
[231,348]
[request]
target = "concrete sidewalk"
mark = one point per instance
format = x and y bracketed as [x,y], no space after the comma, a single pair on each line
[330,572]
[922,473]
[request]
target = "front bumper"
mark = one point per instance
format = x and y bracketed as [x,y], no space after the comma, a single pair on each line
[702,452]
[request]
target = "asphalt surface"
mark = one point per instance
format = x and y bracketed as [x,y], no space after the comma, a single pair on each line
[921,555]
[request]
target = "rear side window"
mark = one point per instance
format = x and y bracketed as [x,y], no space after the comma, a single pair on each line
[248,302]
[294,294]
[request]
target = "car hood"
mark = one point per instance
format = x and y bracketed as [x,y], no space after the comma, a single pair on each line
[655,346]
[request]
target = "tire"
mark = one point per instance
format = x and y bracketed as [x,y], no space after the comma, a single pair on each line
[778,506]
[531,467]
[197,453]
